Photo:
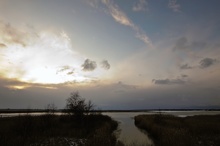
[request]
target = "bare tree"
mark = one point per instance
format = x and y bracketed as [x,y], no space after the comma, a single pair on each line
[89,107]
[76,105]
[51,108]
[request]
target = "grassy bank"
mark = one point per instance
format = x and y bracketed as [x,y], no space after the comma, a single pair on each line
[168,130]
[53,130]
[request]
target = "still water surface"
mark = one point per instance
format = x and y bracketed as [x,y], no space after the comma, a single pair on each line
[128,133]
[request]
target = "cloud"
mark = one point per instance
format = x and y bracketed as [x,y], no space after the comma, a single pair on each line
[174,6]
[89,65]
[185,66]
[143,37]
[121,87]
[184,44]
[70,73]
[105,64]
[141,5]
[120,17]
[168,81]
[117,95]
[28,57]
[206,62]
[93,3]
[2,45]
[180,44]
[184,76]
[14,84]
[11,35]
[64,68]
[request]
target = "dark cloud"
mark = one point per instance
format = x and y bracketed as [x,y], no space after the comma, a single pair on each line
[185,66]
[121,87]
[2,45]
[183,44]
[206,62]
[168,81]
[125,86]
[89,65]
[66,69]
[63,68]
[70,73]
[105,65]
[184,76]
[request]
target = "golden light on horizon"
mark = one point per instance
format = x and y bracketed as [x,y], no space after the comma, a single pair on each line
[18,87]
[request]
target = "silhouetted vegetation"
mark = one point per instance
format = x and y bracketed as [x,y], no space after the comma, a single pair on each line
[51,108]
[168,130]
[77,106]
[50,130]
[78,127]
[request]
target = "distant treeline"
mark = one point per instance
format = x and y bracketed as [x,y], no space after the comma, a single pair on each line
[26,110]
[65,111]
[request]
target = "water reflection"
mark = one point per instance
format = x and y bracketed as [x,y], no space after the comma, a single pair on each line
[129,133]
[23,114]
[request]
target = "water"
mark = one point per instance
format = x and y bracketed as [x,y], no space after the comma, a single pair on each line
[23,114]
[129,134]
[190,113]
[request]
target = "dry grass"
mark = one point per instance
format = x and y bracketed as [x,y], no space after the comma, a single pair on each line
[96,130]
[167,130]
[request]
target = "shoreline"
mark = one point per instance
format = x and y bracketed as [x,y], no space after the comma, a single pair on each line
[101,111]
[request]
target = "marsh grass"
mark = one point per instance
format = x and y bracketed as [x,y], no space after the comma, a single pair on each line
[134,143]
[168,130]
[37,130]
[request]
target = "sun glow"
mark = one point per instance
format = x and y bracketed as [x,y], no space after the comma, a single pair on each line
[18,87]
[43,60]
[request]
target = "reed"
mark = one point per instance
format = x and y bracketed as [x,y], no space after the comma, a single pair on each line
[57,130]
[168,130]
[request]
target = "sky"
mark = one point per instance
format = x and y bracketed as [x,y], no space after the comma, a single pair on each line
[120,54]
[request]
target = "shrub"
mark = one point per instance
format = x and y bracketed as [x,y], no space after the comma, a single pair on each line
[76,105]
